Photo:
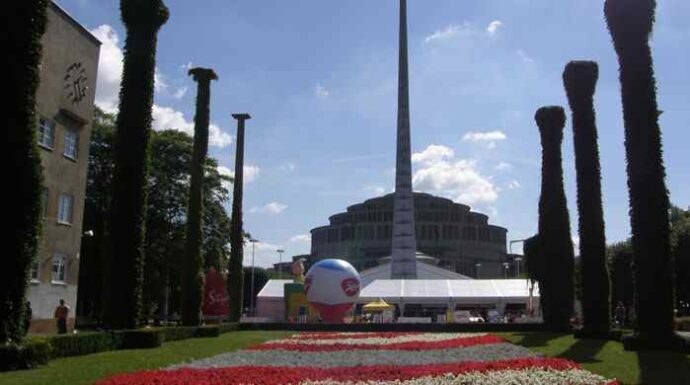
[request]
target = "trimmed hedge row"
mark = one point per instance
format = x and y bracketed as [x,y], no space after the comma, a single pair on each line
[38,351]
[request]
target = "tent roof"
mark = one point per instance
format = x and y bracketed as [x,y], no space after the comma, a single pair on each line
[425,271]
[436,289]
[377,305]
[427,290]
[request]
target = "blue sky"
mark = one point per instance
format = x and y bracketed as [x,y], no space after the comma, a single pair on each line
[320,80]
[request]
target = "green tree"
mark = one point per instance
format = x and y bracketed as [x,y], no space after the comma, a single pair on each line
[680,246]
[142,19]
[580,79]
[620,261]
[24,23]
[630,23]
[193,281]
[260,280]
[554,243]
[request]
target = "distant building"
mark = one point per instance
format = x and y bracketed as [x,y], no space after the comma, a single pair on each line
[64,109]
[461,240]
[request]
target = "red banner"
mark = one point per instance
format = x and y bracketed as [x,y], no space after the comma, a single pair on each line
[215,294]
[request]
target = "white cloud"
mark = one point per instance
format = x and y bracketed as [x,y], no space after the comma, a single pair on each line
[448,32]
[227,172]
[250,172]
[376,190]
[288,166]
[504,166]
[488,136]
[433,154]
[513,184]
[269,208]
[187,66]
[301,238]
[321,91]
[458,179]
[167,118]
[265,246]
[180,93]
[109,68]
[525,58]
[493,27]
[159,84]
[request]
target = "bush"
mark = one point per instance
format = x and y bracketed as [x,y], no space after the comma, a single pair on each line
[138,339]
[228,327]
[29,355]
[177,333]
[208,331]
[81,344]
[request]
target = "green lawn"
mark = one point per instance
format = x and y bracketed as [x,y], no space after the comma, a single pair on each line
[86,369]
[604,357]
[609,359]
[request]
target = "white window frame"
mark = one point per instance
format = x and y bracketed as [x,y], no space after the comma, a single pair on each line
[44,123]
[59,260]
[35,271]
[71,144]
[64,211]
[45,197]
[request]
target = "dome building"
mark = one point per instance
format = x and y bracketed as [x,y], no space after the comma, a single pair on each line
[459,239]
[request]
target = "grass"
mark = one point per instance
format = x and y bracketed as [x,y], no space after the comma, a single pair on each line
[87,369]
[609,359]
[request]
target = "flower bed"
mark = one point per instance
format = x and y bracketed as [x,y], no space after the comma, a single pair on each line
[373,359]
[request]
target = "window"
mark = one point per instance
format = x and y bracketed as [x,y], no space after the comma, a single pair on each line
[59,273]
[44,202]
[33,273]
[46,133]
[71,144]
[65,209]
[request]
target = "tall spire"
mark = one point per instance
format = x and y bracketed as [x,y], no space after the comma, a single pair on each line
[404,244]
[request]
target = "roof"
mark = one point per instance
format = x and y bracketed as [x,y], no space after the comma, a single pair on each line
[430,290]
[468,290]
[424,271]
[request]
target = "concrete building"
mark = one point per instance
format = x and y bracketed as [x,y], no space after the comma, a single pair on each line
[64,109]
[461,240]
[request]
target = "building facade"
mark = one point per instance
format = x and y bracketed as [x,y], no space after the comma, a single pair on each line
[462,240]
[64,109]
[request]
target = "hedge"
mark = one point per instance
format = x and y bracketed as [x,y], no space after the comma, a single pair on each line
[138,338]
[30,355]
[82,343]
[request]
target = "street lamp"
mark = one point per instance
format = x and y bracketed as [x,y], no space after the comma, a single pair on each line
[280,263]
[517,265]
[251,296]
[477,266]
[507,266]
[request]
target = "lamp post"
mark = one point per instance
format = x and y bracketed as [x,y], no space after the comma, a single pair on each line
[477,266]
[507,266]
[517,265]
[251,293]
[280,263]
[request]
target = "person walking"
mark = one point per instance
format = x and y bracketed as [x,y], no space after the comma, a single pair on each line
[61,314]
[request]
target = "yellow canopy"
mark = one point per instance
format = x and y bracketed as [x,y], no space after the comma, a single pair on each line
[378,305]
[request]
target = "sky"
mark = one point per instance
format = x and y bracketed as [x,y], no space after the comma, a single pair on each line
[319,78]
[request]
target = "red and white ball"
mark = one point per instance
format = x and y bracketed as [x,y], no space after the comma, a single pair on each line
[332,287]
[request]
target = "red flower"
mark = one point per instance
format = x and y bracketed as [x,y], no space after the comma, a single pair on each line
[459,342]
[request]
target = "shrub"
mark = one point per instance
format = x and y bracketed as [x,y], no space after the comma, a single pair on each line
[208,331]
[228,327]
[29,355]
[177,333]
[138,338]
[81,344]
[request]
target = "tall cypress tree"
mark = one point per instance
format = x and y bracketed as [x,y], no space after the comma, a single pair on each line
[142,19]
[580,79]
[235,273]
[25,23]
[630,23]
[192,284]
[555,244]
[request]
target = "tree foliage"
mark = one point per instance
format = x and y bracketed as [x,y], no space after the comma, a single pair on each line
[165,217]
[580,78]
[193,281]
[555,245]
[630,23]
[23,24]
[142,19]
